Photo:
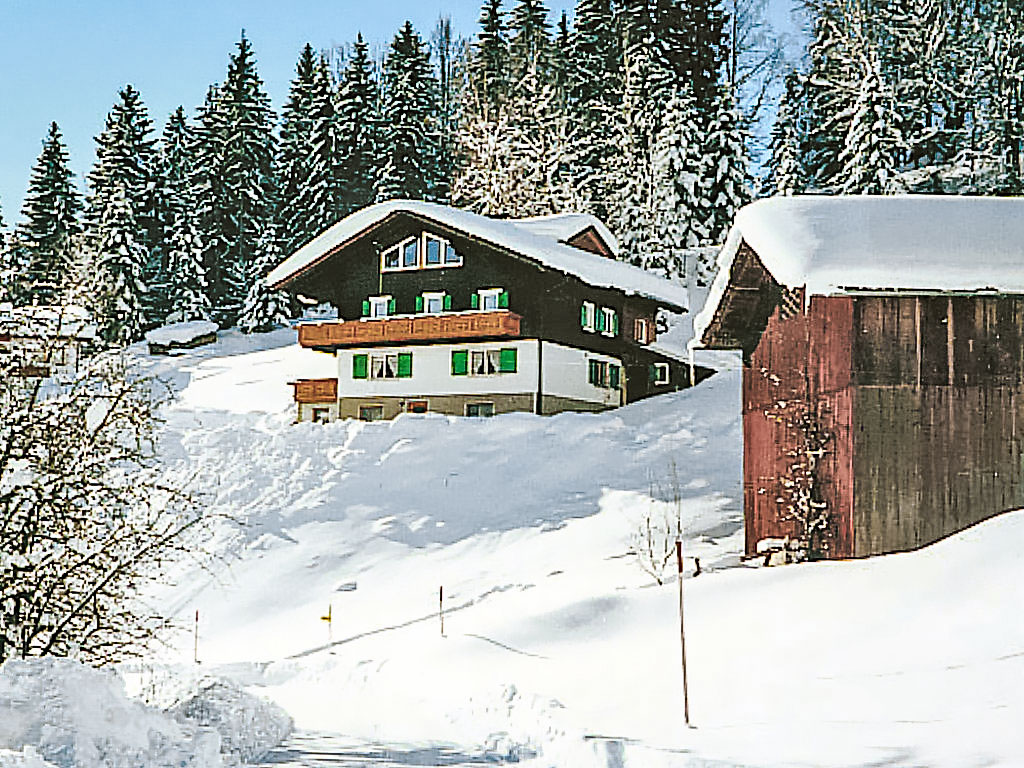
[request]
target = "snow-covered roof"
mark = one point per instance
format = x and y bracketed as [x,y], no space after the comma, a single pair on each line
[833,245]
[565,226]
[64,321]
[513,235]
[180,333]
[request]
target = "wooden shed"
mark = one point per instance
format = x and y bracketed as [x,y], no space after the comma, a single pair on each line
[883,378]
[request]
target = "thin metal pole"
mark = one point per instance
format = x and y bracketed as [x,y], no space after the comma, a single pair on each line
[195,640]
[440,607]
[682,632]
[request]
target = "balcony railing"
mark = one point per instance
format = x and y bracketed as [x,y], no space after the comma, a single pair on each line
[315,390]
[387,330]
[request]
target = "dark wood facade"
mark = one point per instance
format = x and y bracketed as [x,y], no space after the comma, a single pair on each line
[543,303]
[922,394]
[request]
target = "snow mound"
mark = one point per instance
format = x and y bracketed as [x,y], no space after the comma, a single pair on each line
[249,727]
[26,758]
[181,333]
[75,716]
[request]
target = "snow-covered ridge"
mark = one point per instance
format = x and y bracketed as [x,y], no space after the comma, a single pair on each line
[509,234]
[905,242]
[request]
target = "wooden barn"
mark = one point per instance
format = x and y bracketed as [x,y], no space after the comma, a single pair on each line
[883,377]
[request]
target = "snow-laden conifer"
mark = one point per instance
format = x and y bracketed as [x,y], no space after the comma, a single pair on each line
[264,309]
[120,259]
[189,291]
[783,171]
[724,180]
[359,127]
[293,162]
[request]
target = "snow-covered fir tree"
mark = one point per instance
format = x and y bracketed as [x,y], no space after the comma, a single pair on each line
[42,254]
[359,129]
[595,91]
[485,182]
[318,203]
[874,145]
[189,290]
[489,59]
[125,172]
[294,160]
[411,136]
[783,175]
[120,258]
[724,184]
[233,180]
[529,41]
[448,54]
[264,309]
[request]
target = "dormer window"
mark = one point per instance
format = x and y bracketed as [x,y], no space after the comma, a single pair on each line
[428,251]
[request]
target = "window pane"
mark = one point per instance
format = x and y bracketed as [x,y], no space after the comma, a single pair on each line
[433,251]
[490,301]
[450,256]
[493,360]
[435,304]
[391,258]
[478,366]
[391,371]
[377,368]
[409,254]
[378,308]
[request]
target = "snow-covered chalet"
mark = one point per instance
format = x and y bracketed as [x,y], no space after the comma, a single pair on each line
[883,379]
[443,310]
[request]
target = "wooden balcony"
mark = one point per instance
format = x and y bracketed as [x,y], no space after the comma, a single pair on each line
[315,390]
[413,328]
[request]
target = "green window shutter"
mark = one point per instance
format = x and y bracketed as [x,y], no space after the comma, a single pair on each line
[503,300]
[404,365]
[391,306]
[615,324]
[460,362]
[583,316]
[474,301]
[447,301]
[507,361]
[366,309]
[592,372]
[652,374]
[359,366]
[613,376]
[419,303]
[600,320]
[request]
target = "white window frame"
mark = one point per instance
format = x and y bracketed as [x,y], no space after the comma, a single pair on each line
[375,301]
[663,373]
[641,329]
[591,310]
[479,403]
[609,321]
[372,358]
[441,250]
[489,353]
[427,296]
[400,248]
[485,293]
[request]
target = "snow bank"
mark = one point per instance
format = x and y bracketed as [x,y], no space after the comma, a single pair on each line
[181,333]
[79,717]
[249,727]
[26,758]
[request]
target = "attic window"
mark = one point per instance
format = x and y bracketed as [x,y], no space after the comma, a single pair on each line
[426,251]
[404,255]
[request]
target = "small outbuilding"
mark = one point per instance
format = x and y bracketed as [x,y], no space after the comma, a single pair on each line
[883,378]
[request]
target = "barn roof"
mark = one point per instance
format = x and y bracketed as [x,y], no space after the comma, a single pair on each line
[836,245]
[534,239]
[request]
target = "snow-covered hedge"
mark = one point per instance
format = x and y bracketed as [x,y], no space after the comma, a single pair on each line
[75,716]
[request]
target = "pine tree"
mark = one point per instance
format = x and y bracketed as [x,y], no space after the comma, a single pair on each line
[322,196]
[8,269]
[294,160]
[411,135]
[530,41]
[489,60]
[264,309]
[724,181]
[121,259]
[359,126]
[784,173]
[189,290]
[42,251]
[234,180]
[595,91]
[447,52]
[870,157]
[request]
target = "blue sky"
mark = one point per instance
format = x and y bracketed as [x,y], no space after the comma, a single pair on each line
[65,61]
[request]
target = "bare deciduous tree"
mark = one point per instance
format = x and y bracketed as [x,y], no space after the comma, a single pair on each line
[653,540]
[84,520]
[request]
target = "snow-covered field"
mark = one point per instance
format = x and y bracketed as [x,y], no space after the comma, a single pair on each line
[557,649]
